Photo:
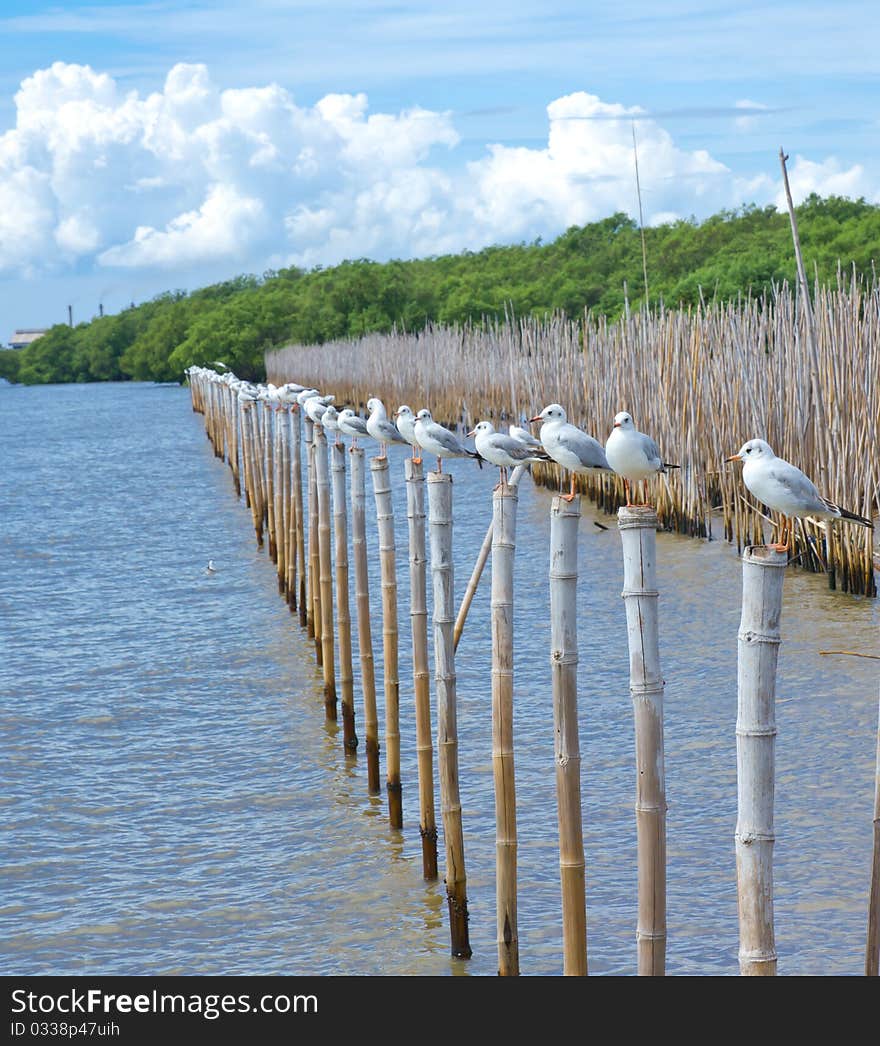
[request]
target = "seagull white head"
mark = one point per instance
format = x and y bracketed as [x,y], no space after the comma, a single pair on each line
[404,411]
[424,415]
[753,450]
[553,412]
[623,421]
[375,404]
[484,428]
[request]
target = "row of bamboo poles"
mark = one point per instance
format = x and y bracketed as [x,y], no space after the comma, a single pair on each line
[701,381]
[309,543]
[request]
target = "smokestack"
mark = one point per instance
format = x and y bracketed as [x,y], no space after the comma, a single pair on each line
[70,315]
[100,308]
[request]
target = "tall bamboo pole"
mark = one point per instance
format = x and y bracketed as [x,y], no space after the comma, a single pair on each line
[362,601]
[313,619]
[325,571]
[343,614]
[296,479]
[504,505]
[564,521]
[280,488]
[872,945]
[249,416]
[385,517]
[290,517]
[479,566]
[638,532]
[415,514]
[269,461]
[440,526]
[758,646]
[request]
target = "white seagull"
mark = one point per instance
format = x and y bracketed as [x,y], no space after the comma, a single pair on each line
[524,436]
[380,428]
[406,424]
[503,450]
[439,441]
[783,487]
[351,425]
[330,421]
[569,446]
[632,454]
[210,568]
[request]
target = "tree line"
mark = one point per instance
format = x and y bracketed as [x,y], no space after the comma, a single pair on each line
[593,268]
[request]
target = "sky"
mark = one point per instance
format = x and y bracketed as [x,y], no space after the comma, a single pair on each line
[153,146]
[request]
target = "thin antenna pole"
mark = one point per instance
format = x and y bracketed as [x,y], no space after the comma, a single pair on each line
[641,218]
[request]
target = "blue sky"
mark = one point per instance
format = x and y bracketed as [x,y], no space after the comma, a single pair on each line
[149,146]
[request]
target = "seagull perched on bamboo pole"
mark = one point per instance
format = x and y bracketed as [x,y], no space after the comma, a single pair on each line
[380,428]
[352,425]
[632,454]
[569,446]
[783,487]
[503,450]
[436,439]
[406,423]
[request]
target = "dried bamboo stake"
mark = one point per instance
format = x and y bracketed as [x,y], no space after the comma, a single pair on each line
[314,597]
[564,521]
[362,601]
[271,503]
[418,616]
[872,945]
[290,580]
[279,491]
[296,478]
[325,571]
[343,614]
[504,504]
[758,642]
[479,566]
[385,517]
[638,534]
[282,456]
[440,526]
[249,414]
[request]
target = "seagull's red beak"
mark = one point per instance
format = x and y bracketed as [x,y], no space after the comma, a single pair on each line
[536,418]
[473,432]
[616,425]
[733,457]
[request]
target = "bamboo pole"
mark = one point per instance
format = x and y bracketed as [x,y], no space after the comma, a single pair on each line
[504,505]
[313,619]
[385,517]
[249,416]
[343,613]
[872,944]
[638,532]
[362,601]
[290,514]
[440,527]
[758,645]
[564,521]
[418,616]
[479,566]
[271,500]
[296,478]
[325,571]
[280,489]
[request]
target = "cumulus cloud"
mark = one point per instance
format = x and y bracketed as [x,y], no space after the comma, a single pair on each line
[192,175]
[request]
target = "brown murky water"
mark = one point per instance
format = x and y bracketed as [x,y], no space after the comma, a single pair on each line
[176,803]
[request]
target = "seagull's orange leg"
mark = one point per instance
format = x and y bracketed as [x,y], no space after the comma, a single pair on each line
[572,493]
[782,544]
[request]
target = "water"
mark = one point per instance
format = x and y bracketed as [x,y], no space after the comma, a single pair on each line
[174,801]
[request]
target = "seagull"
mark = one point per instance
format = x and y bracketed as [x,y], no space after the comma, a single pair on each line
[570,446]
[406,424]
[351,425]
[330,421]
[783,487]
[503,450]
[439,441]
[210,568]
[525,437]
[380,428]
[315,407]
[632,454]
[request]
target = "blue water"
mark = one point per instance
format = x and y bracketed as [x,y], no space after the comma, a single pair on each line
[174,802]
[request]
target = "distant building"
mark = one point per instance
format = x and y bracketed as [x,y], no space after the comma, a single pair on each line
[22,338]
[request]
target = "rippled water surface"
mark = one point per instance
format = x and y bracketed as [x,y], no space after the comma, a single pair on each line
[174,801]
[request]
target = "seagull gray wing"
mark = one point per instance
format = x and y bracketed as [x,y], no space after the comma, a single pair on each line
[448,440]
[514,448]
[798,486]
[589,451]
[389,432]
[358,424]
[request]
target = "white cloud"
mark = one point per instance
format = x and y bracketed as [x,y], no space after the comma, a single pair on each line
[193,175]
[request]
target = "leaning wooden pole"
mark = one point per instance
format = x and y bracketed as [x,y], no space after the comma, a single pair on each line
[440,526]
[418,616]
[564,522]
[504,504]
[296,479]
[343,613]
[387,562]
[872,947]
[325,571]
[362,602]
[638,533]
[758,645]
[313,617]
